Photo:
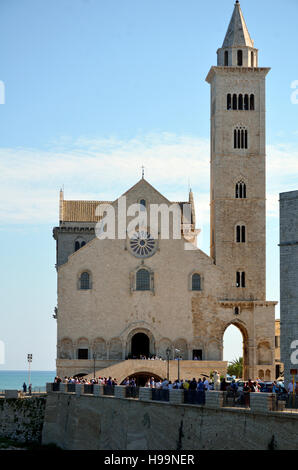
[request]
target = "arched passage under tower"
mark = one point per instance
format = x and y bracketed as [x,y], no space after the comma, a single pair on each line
[235,335]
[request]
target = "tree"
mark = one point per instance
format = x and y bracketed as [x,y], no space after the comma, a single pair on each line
[236,367]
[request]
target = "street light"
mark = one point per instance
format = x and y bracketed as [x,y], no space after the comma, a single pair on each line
[178,358]
[94,357]
[168,351]
[29,359]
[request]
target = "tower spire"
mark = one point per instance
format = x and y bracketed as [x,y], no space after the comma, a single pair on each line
[238,48]
[237,34]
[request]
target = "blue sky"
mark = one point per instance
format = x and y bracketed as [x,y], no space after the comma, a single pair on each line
[93,90]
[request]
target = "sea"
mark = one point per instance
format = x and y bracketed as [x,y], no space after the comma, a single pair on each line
[14,379]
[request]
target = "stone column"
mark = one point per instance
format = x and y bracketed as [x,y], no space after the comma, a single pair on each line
[262,402]
[63,388]
[120,391]
[49,387]
[145,394]
[176,396]
[98,390]
[214,399]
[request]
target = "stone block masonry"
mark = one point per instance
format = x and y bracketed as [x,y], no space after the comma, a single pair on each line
[107,423]
[22,419]
[288,279]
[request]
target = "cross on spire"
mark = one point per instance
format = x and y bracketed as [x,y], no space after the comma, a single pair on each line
[143,171]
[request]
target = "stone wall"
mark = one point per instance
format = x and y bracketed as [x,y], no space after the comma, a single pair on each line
[109,423]
[21,419]
[288,277]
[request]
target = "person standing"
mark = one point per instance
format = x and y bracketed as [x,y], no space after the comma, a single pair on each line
[30,389]
[206,385]
[24,387]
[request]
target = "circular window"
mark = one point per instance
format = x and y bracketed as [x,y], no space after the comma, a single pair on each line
[142,245]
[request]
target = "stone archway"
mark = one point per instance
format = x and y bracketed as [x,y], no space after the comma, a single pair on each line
[148,337]
[246,362]
[142,377]
[140,345]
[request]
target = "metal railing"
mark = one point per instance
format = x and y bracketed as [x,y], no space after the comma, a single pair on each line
[194,397]
[131,392]
[158,394]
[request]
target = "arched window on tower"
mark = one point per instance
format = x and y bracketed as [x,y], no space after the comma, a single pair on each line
[143,280]
[240,279]
[236,311]
[240,190]
[229,101]
[246,100]
[240,102]
[252,59]
[252,102]
[239,58]
[235,102]
[240,233]
[226,58]
[79,243]
[240,138]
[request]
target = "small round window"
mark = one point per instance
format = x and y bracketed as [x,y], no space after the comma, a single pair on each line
[142,244]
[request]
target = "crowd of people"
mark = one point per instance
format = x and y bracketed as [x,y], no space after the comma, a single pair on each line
[165,384]
[85,381]
[236,388]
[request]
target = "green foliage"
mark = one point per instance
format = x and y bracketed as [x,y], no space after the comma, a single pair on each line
[236,368]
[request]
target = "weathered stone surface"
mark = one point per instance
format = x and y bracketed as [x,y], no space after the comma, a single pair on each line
[288,279]
[22,419]
[103,423]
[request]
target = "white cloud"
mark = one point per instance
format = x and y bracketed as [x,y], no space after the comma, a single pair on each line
[105,168]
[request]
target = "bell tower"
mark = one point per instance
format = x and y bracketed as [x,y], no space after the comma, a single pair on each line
[238,186]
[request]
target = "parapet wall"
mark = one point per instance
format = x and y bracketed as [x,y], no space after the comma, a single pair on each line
[76,421]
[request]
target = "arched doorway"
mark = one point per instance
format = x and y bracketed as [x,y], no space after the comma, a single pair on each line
[235,346]
[142,378]
[140,345]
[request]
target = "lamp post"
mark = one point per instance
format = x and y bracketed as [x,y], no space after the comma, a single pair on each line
[94,357]
[29,359]
[168,362]
[178,358]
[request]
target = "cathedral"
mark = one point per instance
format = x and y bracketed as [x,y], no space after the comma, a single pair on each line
[122,298]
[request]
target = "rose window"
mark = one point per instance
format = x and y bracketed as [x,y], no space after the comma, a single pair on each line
[142,244]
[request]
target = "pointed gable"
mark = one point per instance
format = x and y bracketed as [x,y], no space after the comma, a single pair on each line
[142,189]
[237,33]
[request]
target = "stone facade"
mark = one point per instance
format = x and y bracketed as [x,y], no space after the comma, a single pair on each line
[102,322]
[288,279]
